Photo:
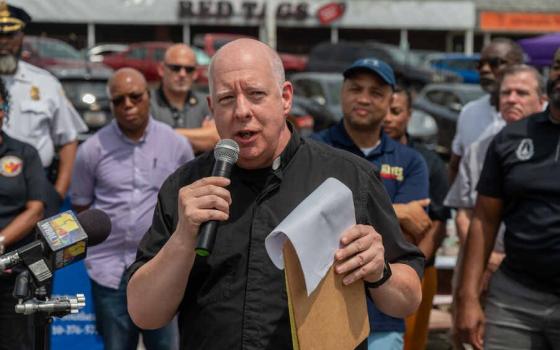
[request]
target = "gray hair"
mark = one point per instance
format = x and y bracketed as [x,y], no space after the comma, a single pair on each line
[523,68]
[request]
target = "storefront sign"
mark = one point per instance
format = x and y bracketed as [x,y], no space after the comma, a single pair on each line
[520,21]
[247,9]
[330,12]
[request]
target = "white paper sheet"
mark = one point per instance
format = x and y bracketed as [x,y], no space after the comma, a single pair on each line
[314,227]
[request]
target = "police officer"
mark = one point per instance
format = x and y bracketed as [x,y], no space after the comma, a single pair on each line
[177,104]
[41,114]
[22,183]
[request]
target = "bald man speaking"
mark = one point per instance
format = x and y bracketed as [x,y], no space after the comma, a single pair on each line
[235,298]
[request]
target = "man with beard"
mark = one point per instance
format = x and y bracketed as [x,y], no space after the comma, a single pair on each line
[481,114]
[366,96]
[42,115]
[178,105]
[519,186]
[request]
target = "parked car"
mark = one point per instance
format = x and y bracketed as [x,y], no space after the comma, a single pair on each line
[324,88]
[309,116]
[98,52]
[84,82]
[444,103]
[423,128]
[47,52]
[409,71]
[145,56]
[87,91]
[211,42]
[461,64]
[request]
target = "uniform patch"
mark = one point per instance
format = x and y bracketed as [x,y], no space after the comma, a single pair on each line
[10,166]
[35,93]
[525,150]
[391,172]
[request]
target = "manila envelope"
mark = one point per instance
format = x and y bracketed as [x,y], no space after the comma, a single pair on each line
[333,317]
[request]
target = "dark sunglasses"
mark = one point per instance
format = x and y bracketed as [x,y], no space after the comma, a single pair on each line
[494,62]
[176,68]
[134,97]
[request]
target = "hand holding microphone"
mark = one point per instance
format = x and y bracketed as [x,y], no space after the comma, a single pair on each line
[205,202]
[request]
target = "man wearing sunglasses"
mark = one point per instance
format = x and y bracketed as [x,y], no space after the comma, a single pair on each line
[120,170]
[42,115]
[481,114]
[178,105]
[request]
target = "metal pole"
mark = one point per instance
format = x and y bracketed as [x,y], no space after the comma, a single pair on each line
[486,39]
[334,34]
[404,44]
[270,23]
[90,34]
[469,42]
[187,34]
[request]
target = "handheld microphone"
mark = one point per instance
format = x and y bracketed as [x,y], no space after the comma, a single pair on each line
[226,153]
[63,240]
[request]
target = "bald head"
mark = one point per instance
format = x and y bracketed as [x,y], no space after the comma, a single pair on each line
[178,72]
[126,76]
[246,52]
[130,102]
[179,52]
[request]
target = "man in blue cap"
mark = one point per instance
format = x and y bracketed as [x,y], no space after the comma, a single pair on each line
[365,98]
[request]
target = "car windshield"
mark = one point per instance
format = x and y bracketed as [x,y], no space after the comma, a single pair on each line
[56,49]
[334,91]
[81,92]
[404,56]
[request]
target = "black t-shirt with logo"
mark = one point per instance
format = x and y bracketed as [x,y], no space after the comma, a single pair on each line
[22,179]
[522,168]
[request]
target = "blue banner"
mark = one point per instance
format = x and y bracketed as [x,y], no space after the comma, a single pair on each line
[75,330]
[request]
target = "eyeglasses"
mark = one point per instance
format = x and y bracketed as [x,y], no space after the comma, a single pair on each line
[134,97]
[176,68]
[493,62]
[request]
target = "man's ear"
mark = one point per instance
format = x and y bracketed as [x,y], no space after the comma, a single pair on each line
[210,106]
[287,96]
[160,69]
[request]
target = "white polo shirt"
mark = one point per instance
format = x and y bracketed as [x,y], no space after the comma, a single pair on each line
[473,120]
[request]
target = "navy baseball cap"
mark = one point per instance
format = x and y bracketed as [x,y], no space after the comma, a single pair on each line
[12,18]
[373,65]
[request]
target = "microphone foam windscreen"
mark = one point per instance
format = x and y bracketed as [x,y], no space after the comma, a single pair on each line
[226,150]
[96,224]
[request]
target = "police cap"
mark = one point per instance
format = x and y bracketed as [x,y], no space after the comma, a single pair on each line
[12,19]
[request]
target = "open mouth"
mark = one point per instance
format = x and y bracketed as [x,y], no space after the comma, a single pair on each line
[245,135]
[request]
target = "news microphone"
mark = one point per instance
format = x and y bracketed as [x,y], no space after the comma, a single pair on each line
[226,153]
[63,240]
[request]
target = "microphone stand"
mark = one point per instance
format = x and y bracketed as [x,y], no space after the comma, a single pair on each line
[42,308]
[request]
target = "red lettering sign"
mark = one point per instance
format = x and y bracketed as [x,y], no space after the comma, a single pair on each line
[330,12]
